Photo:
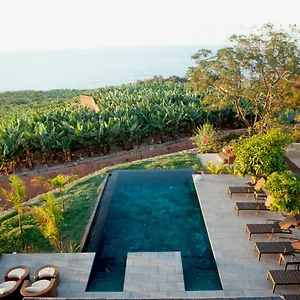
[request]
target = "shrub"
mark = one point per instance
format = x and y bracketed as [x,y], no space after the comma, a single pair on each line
[205,138]
[261,154]
[218,168]
[285,191]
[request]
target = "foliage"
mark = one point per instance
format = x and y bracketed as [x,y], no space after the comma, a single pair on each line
[16,196]
[261,154]
[59,182]
[258,75]
[30,241]
[218,168]
[295,134]
[205,138]
[51,131]
[50,217]
[285,190]
[83,195]
[214,168]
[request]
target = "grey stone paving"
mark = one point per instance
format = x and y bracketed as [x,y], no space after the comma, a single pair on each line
[153,272]
[74,268]
[240,272]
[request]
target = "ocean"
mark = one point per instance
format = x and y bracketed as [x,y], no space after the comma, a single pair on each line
[89,69]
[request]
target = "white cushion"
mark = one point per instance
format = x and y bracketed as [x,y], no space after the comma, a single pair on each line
[16,273]
[34,289]
[41,283]
[38,286]
[6,286]
[47,271]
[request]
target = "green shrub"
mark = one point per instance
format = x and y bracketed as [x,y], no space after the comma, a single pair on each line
[205,138]
[261,154]
[285,191]
[218,168]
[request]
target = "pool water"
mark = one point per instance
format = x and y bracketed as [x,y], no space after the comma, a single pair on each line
[153,211]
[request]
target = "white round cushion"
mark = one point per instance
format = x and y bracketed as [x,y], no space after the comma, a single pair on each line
[47,271]
[6,286]
[16,273]
[38,286]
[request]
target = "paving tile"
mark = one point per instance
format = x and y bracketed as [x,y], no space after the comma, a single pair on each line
[151,272]
[237,263]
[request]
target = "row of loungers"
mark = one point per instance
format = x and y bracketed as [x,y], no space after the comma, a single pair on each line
[286,248]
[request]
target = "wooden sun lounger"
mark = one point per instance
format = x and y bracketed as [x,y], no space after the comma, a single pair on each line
[257,206]
[291,297]
[277,227]
[284,277]
[274,248]
[250,206]
[265,229]
[247,189]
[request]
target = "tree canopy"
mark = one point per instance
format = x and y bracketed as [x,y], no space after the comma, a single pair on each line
[258,76]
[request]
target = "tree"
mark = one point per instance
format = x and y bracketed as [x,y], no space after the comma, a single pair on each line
[258,75]
[16,196]
[59,182]
[49,217]
[261,154]
[285,191]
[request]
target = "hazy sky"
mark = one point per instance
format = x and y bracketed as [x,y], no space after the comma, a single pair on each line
[72,24]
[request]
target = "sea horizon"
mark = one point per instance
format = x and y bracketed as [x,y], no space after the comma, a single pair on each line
[93,68]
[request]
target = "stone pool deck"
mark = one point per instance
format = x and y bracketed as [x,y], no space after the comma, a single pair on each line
[240,272]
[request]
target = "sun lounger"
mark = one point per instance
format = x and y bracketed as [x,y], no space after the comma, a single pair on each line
[257,206]
[294,261]
[291,297]
[277,247]
[10,290]
[47,272]
[17,273]
[277,227]
[40,288]
[284,277]
[250,206]
[247,189]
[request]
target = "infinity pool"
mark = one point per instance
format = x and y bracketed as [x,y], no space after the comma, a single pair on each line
[150,210]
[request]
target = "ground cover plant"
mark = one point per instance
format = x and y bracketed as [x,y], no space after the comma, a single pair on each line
[47,131]
[81,196]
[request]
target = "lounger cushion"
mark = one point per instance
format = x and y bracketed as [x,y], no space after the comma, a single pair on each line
[47,272]
[38,286]
[16,273]
[34,289]
[6,286]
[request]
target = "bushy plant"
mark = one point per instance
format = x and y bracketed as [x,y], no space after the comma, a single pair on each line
[50,217]
[205,138]
[285,190]
[218,168]
[261,154]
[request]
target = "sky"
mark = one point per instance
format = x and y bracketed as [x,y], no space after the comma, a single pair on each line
[70,24]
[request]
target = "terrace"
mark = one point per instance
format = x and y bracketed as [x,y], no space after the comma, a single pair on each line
[241,274]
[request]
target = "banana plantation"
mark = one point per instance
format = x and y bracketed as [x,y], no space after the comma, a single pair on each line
[47,131]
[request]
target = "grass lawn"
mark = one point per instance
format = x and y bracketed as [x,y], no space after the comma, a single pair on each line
[80,199]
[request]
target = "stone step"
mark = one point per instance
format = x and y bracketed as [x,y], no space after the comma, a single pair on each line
[153,272]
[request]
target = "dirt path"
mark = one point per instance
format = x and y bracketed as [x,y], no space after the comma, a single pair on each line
[91,165]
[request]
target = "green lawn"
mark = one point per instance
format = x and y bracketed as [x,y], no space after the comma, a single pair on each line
[80,199]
